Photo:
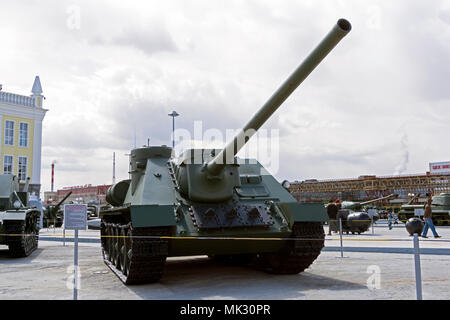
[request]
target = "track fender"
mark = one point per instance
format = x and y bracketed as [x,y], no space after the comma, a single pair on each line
[153,216]
[303,212]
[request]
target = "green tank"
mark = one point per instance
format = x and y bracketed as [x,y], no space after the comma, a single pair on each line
[355,216]
[364,205]
[19,224]
[440,208]
[357,206]
[209,202]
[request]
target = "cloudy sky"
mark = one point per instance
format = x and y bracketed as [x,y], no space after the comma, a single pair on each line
[111,71]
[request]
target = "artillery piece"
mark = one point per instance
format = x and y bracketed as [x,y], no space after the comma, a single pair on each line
[19,228]
[197,203]
[52,213]
[358,206]
[355,220]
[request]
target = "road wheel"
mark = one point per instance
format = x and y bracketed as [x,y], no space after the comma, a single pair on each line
[299,254]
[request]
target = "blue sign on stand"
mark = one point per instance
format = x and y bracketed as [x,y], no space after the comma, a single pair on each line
[75,218]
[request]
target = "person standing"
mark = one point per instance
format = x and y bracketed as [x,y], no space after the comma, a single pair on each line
[428,213]
[390,218]
[332,210]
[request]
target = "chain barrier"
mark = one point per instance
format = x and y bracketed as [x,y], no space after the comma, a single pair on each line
[242,238]
[416,250]
[226,238]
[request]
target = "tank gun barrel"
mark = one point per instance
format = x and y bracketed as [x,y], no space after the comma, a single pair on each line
[340,29]
[393,195]
[56,208]
[413,199]
[358,205]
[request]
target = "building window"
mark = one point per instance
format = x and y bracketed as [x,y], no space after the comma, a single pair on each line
[22,173]
[23,134]
[9,133]
[7,164]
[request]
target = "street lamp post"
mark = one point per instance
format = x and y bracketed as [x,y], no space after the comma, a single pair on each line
[173,115]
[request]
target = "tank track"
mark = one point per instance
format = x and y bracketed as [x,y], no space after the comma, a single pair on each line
[297,255]
[132,254]
[21,246]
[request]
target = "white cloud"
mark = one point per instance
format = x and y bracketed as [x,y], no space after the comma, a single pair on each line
[130,63]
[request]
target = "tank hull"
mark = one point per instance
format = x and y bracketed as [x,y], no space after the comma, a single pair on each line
[187,235]
[257,228]
[138,255]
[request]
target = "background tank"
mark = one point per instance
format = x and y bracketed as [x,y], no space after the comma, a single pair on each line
[53,214]
[358,206]
[169,205]
[93,216]
[19,224]
[440,209]
[354,219]
[354,222]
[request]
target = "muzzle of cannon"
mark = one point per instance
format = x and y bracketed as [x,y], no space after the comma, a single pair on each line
[339,31]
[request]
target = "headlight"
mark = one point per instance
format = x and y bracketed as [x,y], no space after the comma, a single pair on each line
[286,184]
[17,204]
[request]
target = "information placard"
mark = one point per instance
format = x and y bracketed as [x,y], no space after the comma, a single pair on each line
[372,212]
[75,216]
[418,212]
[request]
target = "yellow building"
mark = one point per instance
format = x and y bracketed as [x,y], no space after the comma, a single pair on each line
[21,134]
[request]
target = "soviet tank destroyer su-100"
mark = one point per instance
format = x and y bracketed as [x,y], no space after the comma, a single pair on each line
[209,202]
[19,224]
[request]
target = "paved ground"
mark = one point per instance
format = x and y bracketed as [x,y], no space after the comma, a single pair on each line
[45,274]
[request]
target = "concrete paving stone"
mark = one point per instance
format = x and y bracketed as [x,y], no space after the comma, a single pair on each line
[46,273]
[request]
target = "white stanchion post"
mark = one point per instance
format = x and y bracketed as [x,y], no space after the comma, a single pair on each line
[373,231]
[340,233]
[41,221]
[417,267]
[75,218]
[75,264]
